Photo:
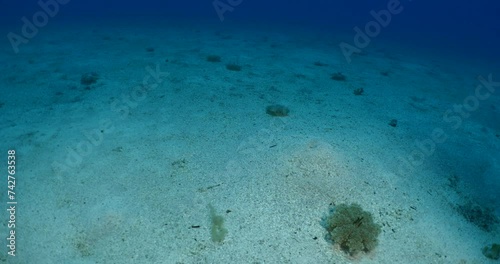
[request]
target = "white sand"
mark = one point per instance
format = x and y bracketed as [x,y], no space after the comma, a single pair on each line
[202,137]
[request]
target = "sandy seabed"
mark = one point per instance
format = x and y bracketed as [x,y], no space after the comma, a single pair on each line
[123,170]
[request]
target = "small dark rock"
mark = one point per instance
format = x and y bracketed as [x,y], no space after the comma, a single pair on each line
[213,58]
[358,91]
[393,123]
[338,76]
[277,110]
[89,78]
[150,49]
[320,64]
[233,67]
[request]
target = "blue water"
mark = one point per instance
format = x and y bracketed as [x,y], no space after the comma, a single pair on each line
[462,26]
[128,123]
